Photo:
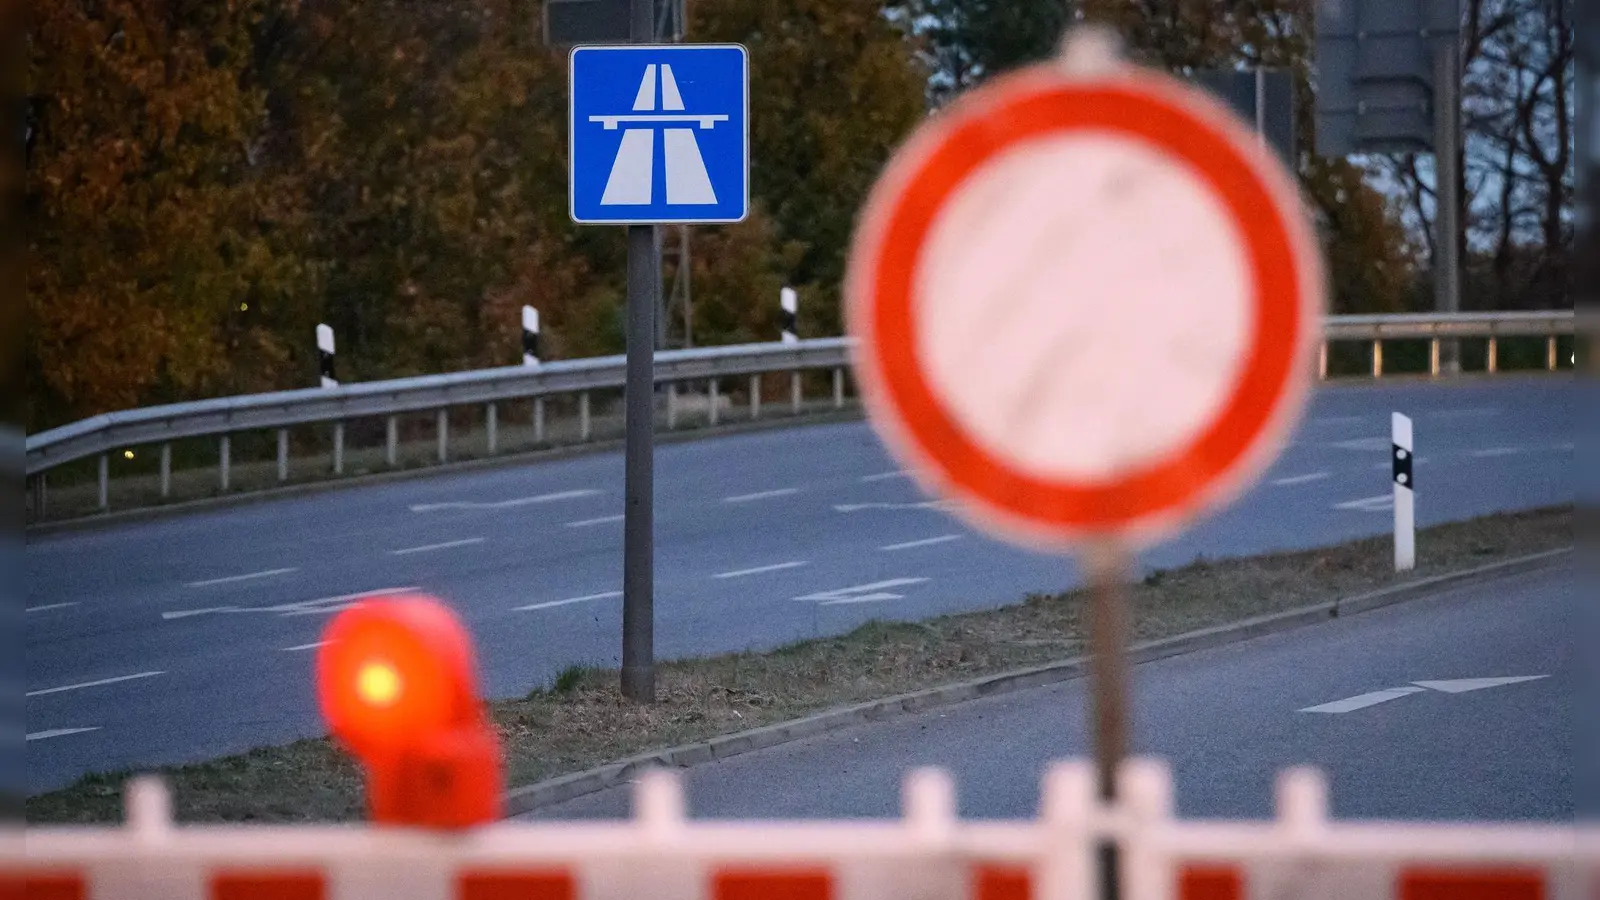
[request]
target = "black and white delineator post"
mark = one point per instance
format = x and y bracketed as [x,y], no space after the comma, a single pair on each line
[790,301]
[530,336]
[1405,522]
[325,356]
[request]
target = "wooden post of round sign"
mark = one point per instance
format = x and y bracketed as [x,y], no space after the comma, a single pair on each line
[1086,302]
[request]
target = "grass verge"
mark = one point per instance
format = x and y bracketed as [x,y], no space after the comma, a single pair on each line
[580,721]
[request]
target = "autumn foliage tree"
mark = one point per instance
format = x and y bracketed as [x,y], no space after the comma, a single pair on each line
[207,180]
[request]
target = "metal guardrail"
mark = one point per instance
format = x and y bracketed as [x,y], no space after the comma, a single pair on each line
[160,425]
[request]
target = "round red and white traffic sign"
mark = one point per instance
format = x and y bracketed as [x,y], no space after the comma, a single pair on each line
[1086,301]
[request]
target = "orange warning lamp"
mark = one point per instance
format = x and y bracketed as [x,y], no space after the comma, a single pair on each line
[395,679]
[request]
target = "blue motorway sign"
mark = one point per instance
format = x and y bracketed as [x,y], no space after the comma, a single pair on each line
[658,134]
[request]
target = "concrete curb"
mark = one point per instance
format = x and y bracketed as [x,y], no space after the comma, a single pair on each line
[566,787]
[93,521]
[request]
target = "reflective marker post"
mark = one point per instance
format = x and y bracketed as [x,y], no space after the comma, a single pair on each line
[638,540]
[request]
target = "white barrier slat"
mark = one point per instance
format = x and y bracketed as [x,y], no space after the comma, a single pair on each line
[927,855]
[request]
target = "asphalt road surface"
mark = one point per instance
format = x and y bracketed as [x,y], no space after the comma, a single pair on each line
[186,638]
[1412,711]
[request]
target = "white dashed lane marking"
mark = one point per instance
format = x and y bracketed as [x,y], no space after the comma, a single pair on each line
[740,573]
[585,523]
[89,684]
[505,504]
[1301,479]
[58,732]
[464,542]
[249,576]
[925,542]
[551,604]
[761,495]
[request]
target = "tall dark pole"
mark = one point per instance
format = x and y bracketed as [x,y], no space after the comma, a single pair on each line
[638,539]
[1447,191]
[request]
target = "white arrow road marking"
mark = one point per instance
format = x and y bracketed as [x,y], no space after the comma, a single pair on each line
[1452,686]
[569,601]
[861,593]
[58,732]
[1462,685]
[1362,701]
[246,577]
[506,504]
[89,684]
[928,504]
[1369,504]
[319,606]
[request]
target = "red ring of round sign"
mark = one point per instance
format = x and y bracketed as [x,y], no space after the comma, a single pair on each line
[887,305]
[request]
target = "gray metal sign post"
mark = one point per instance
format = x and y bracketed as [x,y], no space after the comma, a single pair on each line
[638,524]
[1388,81]
[1447,192]
[658,134]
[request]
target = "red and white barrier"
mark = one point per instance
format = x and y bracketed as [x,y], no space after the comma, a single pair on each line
[928,854]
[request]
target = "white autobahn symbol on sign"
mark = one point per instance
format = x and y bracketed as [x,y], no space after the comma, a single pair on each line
[630,183]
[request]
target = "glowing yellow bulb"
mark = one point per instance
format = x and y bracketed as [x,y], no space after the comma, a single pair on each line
[244,307]
[378,684]
[127,454]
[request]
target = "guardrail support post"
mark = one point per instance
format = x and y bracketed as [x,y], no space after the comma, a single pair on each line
[1494,354]
[1322,361]
[794,392]
[41,495]
[491,424]
[538,420]
[838,389]
[583,416]
[338,448]
[166,471]
[755,396]
[442,432]
[224,461]
[672,405]
[1433,357]
[1377,359]
[283,454]
[711,395]
[1550,353]
[391,440]
[105,483]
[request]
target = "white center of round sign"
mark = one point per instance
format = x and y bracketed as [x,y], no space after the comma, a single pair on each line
[1083,338]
